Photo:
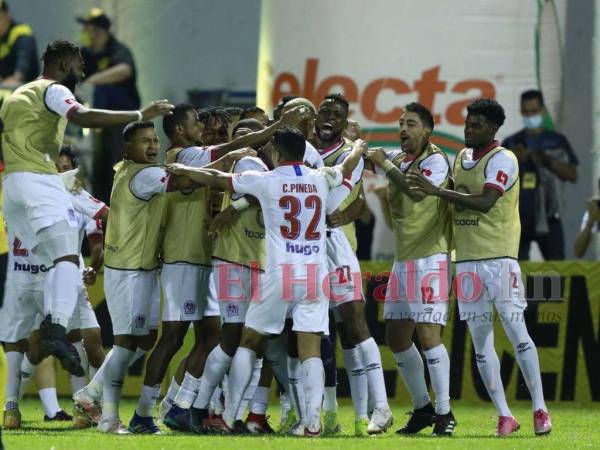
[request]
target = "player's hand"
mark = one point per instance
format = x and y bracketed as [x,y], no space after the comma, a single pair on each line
[377,156]
[382,192]
[362,145]
[89,276]
[236,155]
[593,210]
[337,219]
[225,219]
[157,108]
[295,115]
[419,183]
[540,159]
[177,169]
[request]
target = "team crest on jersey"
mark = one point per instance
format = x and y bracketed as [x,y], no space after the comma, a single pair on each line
[71,214]
[189,307]
[140,321]
[233,310]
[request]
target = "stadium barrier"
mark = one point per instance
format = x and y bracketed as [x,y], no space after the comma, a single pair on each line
[563,319]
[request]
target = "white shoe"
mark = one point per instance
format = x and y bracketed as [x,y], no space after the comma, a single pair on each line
[87,406]
[164,407]
[112,426]
[380,421]
[297,429]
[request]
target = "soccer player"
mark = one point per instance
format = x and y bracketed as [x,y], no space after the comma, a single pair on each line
[254,112]
[417,292]
[293,199]
[488,276]
[361,353]
[37,206]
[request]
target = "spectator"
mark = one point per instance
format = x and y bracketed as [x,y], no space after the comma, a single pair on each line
[110,70]
[18,53]
[546,161]
[590,224]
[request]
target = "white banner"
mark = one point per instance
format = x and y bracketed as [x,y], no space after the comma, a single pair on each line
[383,54]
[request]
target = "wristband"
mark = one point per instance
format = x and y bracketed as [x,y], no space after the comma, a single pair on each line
[140,115]
[387,166]
[240,204]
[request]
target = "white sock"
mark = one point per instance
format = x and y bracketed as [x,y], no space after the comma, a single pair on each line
[61,291]
[187,392]
[217,364]
[260,401]
[27,371]
[147,400]
[113,376]
[78,383]
[313,381]
[173,389]
[371,359]
[438,364]
[296,388]
[276,357]
[96,384]
[216,402]
[357,378]
[139,352]
[527,358]
[412,370]
[489,365]
[249,392]
[330,398]
[240,375]
[285,404]
[49,401]
[13,361]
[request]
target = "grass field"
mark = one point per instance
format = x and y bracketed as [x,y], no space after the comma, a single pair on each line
[574,427]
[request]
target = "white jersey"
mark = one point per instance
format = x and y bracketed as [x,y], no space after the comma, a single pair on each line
[293,199]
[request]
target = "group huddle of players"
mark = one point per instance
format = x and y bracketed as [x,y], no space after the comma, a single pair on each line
[247,231]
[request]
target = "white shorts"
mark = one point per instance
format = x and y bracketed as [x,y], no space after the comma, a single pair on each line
[84,316]
[344,278]
[212,305]
[133,299]
[19,313]
[482,285]
[418,290]
[234,286]
[33,202]
[185,291]
[268,314]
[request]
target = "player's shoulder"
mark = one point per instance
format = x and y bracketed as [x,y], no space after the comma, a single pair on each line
[504,154]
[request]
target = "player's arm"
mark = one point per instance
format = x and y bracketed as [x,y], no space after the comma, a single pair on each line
[229,159]
[359,148]
[379,159]
[350,214]
[202,176]
[582,242]
[115,74]
[96,258]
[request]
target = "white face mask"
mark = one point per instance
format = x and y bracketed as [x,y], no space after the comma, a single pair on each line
[533,122]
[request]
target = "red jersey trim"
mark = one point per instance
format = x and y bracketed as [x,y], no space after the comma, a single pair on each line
[479,155]
[291,163]
[100,212]
[72,110]
[494,186]
[335,146]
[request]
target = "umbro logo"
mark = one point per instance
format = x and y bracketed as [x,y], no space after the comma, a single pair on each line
[480,358]
[523,347]
[433,361]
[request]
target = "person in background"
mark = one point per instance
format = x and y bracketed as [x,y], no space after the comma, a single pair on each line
[254,112]
[111,74]
[546,161]
[19,62]
[590,224]
[234,113]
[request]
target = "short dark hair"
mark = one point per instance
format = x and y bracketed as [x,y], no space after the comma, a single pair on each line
[533,94]
[251,109]
[132,127]
[340,98]
[252,124]
[3,6]
[205,114]
[234,111]
[488,108]
[423,113]
[177,117]
[67,151]
[58,50]
[291,142]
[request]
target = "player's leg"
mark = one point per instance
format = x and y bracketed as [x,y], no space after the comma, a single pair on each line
[294,370]
[330,405]
[78,382]
[3,379]
[257,421]
[14,356]
[313,373]
[45,379]
[92,343]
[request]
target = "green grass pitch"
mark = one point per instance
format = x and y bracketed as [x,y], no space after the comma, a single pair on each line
[575,426]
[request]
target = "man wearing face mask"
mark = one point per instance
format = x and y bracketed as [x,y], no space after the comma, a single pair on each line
[546,160]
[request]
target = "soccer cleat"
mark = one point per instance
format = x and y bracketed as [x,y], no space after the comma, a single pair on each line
[444,425]
[287,422]
[178,419]
[60,416]
[12,419]
[54,342]
[506,425]
[86,406]
[80,420]
[112,426]
[217,425]
[380,421]
[419,419]
[142,425]
[542,424]
[306,430]
[360,427]
[197,418]
[164,407]
[258,424]
[331,424]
